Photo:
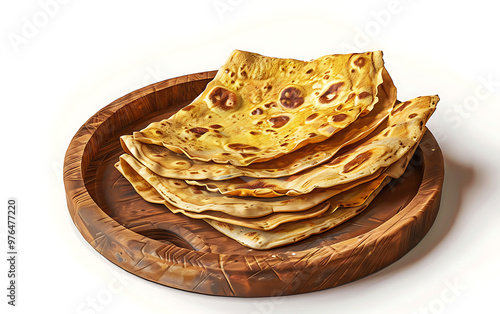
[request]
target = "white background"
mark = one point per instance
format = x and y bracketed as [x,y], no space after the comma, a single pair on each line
[62,62]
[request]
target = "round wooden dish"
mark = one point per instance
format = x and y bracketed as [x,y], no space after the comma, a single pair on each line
[149,241]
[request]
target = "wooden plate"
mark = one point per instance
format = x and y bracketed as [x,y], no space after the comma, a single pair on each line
[173,250]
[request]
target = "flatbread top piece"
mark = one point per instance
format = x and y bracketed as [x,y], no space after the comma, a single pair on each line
[258,108]
[166,163]
[396,136]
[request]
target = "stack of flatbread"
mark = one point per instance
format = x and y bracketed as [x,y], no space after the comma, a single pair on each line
[275,150]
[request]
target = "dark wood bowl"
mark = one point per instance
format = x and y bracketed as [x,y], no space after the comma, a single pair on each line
[173,250]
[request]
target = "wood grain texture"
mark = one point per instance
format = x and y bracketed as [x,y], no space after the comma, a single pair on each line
[151,242]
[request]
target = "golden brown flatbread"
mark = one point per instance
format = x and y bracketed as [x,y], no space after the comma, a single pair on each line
[388,143]
[292,232]
[258,108]
[268,222]
[354,196]
[198,200]
[193,200]
[166,163]
[276,150]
